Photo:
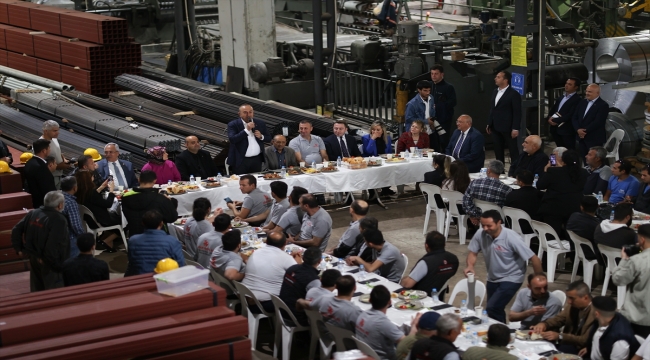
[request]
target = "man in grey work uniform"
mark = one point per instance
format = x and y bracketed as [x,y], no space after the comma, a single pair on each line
[255,204]
[309,148]
[291,221]
[339,310]
[387,259]
[505,255]
[280,204]
[316,225]
[534,303]
[358,210]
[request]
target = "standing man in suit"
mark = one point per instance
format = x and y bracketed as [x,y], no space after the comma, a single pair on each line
[121,170]
[51,133]
[561,114]
[279,154]
[341,143]
[505,117]
[589,120]
[247,136]
[467,144]
[444,97]
[38,177]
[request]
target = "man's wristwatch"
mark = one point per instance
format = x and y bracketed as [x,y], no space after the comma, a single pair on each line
[560,337]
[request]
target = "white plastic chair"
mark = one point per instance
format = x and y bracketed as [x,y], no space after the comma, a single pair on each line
[366,349]
[462,287]
[435,204]
[225,163]
[194,263]
[486,205]
[611,254]
[560,295]
[281,327]
[639,338]
[85,211]
[319,336]
[227,285]
[406,265]
[187,255]
[516,216]
[617,137]
[553,248]
[253,319]
[342,337]
[587,265]
[455,198]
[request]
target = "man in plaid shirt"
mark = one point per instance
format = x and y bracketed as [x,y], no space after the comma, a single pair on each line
[488,189]
[71,212]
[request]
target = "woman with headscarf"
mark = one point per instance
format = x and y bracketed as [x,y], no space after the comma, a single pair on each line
[158,162]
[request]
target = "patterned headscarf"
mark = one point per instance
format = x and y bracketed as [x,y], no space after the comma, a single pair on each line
[155,154]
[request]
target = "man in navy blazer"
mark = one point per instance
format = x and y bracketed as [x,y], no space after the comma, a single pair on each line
[125,176]
[340,143]
[467,144]
[505,117]
[561,115]
[247,136]
[589,120]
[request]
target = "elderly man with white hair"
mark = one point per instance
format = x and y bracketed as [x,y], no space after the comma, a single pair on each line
[120,170]
[532,158]
[42,235]
[51,133]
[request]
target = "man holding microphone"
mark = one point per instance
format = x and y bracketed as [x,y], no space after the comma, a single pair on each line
[247,136]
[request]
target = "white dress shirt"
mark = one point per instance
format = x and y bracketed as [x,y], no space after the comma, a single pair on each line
[591,102]
[116,179]
[620,350]
[426,107]
[500,93]
[565,99]
[253,147]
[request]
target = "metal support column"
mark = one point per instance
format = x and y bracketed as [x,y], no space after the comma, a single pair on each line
[323,56]
[179,26]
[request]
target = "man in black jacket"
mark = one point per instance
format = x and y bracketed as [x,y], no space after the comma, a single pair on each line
[527,197]
[340,143]
[144,198]
[195,161]
[84,268]
[612,332]
[643,199]
[504,120]
[444,97]
[561,114]
[42,235]
[439,346]
[589,120]
[532,158]
[38,177]
[434,269]
[584,224]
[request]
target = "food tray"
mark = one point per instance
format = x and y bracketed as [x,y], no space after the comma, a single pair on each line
[309,171]
[357,166]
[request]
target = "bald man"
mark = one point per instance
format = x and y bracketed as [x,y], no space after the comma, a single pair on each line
[532,158]
[195,161]
[589,120]
[279,154]
[247,136]
[467,144]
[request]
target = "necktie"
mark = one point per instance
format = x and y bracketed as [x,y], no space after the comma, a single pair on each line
[344,149]
[118,176]
[456,152]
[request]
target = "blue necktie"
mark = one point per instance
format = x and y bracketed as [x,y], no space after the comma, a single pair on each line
[456,152]
[118,176]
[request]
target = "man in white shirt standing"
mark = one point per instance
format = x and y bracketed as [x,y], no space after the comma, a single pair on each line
[611,337]
[51,133]
[247,136]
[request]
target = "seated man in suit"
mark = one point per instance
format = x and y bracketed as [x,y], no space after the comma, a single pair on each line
[121,170]
[340,143]
[38,177]
[279,154]
[247,136]
[532,158]
[561,114]
[589,120]
[642,203]
[467,144]
[527,197]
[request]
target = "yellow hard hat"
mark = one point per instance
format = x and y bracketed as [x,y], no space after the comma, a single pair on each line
[24,157]
[4,167]
[165,265]
[93,153]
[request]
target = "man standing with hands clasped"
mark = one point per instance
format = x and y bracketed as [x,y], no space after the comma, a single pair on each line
[505,117]
[589,120]
[247,136]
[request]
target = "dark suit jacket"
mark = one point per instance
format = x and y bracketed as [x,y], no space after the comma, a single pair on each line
[526,198]
[435,177]
[505,116]
[239,140]
[472,152]
[642,203]
[39,180]
[200,164]
[271,159]
[127,168]
[534,163]
[593,121]
[562,197]
[564,122]
[333,147]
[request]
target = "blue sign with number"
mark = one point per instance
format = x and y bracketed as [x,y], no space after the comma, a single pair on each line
[518,83]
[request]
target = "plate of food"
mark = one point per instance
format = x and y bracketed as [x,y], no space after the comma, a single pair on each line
[640,217]
[408,305]
[329,169]
[191,188]
[528,335]
[248,252]
[293,171]
[212,184]
[258,229]
[272,175]
[566,357]
[176,190]
[180,221]
[328,258]
[412,294]
[309,171]
[365,298]
[245,244]
[396,159]
[374,163]
[239,224]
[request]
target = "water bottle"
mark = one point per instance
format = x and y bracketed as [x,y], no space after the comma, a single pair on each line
[468,333]
[313,164]
[192,181]
[484,318]
[463,308]
[169,183]
[535,181]
[322,266]
[434,295]
[245,236]
[611,216]
[474,338]
[600,197]
[219,178]
[338,162]
[283,172]
[362,272]
[340,264]
[253,237]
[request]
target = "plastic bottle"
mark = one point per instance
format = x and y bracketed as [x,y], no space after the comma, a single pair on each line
[340,264]
[484,318]
[468,333]
[253,236]
[362,272]
[474,338]
[338,162]
[463,308]
[434,295]
[219,178]
[535,181]
[169,183]
[283,172]
[600,197]
[192,181]
[611,216]
[313,164]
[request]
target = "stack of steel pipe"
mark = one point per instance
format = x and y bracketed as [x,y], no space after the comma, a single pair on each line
[24,129]
[122,318]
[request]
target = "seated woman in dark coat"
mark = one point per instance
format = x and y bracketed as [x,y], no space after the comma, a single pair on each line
[90,196]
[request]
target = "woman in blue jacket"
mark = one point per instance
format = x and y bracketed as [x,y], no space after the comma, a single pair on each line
[376,143]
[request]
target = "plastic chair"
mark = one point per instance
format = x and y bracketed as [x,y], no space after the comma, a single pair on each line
[435,204]
[227,285]
[187,255]
[611,254]
[639,338]
[455,210]
[366,349]
[342,337]
[560,295]
[281,327]
[553,248]
[486,205]
[319,336]
[520,222]
[253,319]
[462,287]
[406,265]
[192,262]
[225,163]
[617,137]
[587,265]
[83,211]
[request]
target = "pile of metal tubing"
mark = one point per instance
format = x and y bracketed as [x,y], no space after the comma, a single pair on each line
[119,319]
